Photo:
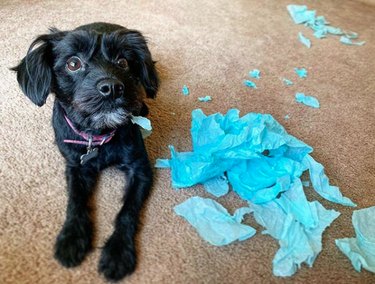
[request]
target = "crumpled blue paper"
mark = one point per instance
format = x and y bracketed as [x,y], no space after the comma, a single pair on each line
[287,82]
[307,100]
[346,40]
[263,164]
[213,222]
[301,72]
[255,74]
[298,243]
[304,40]
[205,99]
[250,84]
[361,249]
[185,90]
[144,123]
[301,15]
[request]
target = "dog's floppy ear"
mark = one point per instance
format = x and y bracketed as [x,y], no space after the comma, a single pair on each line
[145,66]
[34,73]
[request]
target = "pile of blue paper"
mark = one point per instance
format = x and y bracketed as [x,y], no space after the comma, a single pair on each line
[263,164]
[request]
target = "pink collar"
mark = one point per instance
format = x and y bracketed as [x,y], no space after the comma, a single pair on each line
[91,140]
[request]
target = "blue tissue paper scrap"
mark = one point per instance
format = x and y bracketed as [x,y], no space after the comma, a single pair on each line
[213,222]
[361,249]
[301,72]
[255,74]
[205,99]
[301,15]
[287,82]
[304,40]
[250,84]
[263,164]
[185,90]
[307,100]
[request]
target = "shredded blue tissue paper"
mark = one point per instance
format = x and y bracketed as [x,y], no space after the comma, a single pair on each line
[144,123]
[185,90]
[304,40]
[205,99]
[255,74]
[263,164]
[346,40]
[307,100]
[301,15]
[287,82]
[301,72]
[361,249]
[250,84]
[213,222]
[286,117]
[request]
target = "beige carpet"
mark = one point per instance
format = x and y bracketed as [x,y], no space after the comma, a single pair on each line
[209,46]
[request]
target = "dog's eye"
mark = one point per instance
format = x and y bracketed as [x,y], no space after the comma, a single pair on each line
[74,64]
[123,63]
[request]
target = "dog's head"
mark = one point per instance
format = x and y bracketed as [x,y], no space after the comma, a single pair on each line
[98,73]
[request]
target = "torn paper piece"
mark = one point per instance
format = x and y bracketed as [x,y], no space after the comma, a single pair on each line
[286,117]
[307,100]
[213,222]
[144,123]
[298,243]
[361,249]
[301,72]
[300,14]
[346,40]
[255,74]
[320,183]
[162,164]
[205,99]
[304,40]
[185,90]
[218,186]
[287,82]
[250,84]
[306,183]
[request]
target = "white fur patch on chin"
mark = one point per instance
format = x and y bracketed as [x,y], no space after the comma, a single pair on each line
[109,119]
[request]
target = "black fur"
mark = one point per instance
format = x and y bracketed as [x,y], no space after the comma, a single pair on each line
[44,70]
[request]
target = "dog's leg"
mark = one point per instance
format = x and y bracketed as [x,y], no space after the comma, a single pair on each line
[118,257]
[75,238]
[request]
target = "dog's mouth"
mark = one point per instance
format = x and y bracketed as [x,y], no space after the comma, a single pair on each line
[110,119]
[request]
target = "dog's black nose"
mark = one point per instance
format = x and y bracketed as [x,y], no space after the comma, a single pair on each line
[111,88]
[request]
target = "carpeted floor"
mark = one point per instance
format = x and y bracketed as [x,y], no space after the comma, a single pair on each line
[209,46]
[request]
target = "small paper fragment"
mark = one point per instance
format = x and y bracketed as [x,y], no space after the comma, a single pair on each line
[250,84]
[361,249]
[307,100]
[185,90]
[213,222]
[304,40]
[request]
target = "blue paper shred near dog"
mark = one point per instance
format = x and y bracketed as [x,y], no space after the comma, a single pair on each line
[255,74]
[250,84]
[264,165]
[301,72]
[361,249]
[213,222]
[218,186]
[162,163]
[144,123]
[205,99]
[185,90]
[304,40]
[301,15]
[307,100]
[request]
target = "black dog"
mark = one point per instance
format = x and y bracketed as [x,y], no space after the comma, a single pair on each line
[99,74]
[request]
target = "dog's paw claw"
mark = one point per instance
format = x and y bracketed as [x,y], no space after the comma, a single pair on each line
[117,260]
[72,246]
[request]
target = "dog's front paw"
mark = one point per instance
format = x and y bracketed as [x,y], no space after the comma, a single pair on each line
[118,259]
[73,243]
